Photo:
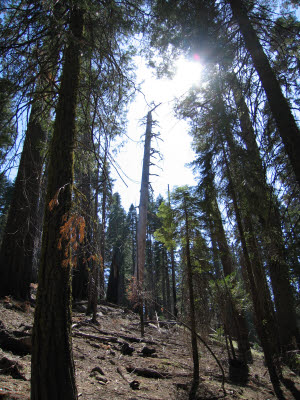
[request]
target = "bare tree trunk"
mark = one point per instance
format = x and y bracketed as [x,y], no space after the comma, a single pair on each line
[144,198]
[142,221]
[150,275]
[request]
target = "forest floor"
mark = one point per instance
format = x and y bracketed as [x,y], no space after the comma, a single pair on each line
[112,362]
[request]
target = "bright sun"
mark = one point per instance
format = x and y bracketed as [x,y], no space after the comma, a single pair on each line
[188,73]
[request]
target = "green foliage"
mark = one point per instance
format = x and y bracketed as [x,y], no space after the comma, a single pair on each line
[233,287]
[185,25]
[7,121]
[166,233]
[218,335]
[117,225]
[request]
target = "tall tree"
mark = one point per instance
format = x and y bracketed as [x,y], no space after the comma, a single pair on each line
[266,208]
[213,128]
[142,219]
[184,208]
[17,249]
[116,237]
[236,321]
[53,374]
[132,223]
[166,235]
[285,121]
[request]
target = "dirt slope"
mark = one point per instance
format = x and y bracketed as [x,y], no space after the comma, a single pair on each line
[113,363]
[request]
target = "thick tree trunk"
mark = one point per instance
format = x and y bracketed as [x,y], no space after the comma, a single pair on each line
[267,210]
[52,371]
[285,121]
[17,250]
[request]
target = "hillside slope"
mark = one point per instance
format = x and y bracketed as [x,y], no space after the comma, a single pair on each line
[112,362]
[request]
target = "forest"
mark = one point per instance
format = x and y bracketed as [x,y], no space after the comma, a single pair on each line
[218,262]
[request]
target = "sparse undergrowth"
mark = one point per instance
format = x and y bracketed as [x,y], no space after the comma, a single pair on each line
[113,363]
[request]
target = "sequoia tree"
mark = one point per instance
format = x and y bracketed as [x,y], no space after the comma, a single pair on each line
[53,375]
[16,256]
[17,249]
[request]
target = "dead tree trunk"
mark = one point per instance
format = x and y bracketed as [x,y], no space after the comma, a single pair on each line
[142,221]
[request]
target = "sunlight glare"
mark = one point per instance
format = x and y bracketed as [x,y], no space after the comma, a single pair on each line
[188,73]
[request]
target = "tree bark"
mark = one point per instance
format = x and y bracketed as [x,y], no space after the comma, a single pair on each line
[17,249]
[52,371]
[285,121]
[80,273]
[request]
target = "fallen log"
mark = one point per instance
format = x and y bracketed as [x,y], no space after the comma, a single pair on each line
[17,345]
[148,373]
[12,368]
[131,339]
[107,339]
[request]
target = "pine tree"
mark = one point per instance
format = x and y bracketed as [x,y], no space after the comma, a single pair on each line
[184,210]
[166,235]
[266,208]
[285,121]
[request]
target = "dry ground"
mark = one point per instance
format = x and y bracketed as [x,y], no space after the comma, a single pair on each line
[103,371]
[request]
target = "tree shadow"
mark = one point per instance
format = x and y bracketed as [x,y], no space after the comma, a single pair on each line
[238,372]
[290,385]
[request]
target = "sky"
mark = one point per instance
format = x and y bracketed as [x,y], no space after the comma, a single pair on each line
[175,146]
